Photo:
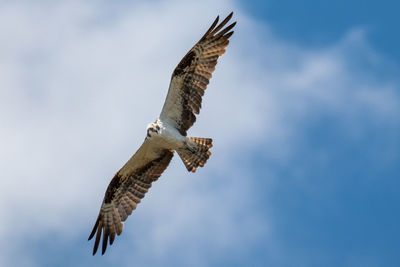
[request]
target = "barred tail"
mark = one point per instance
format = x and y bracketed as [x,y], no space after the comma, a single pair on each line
[196,153]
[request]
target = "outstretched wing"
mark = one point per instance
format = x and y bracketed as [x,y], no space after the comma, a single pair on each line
[126,189]
[191,77]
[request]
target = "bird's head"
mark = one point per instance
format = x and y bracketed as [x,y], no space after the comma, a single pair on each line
[152,129]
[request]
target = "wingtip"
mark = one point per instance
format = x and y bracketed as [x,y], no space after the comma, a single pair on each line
[92,233]
[105,241]
[214,23]
[229,16]
[94,251]
[94,228]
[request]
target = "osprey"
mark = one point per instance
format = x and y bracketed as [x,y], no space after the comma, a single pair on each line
[166,135]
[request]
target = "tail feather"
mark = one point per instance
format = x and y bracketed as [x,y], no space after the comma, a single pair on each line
[197,152]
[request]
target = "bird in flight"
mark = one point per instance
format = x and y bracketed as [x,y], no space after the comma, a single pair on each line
[166,135]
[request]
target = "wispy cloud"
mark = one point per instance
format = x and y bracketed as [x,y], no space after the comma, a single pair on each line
[80,81]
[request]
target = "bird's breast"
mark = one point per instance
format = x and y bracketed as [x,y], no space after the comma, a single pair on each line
[169,137]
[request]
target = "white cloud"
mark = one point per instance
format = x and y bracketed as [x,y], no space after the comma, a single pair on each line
[80,81]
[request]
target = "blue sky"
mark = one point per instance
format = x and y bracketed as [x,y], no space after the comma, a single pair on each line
[303,109]
[318,23]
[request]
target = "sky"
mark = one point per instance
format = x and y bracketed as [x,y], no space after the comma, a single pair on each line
[303,109]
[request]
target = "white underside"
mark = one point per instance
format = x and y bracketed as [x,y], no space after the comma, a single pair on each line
[168,136]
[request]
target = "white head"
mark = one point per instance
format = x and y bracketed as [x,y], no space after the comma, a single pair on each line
[152,129]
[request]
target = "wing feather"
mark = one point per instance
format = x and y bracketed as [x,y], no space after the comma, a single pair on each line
[126,190]
[192,75]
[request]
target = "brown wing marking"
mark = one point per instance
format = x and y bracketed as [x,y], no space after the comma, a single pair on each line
[192,75]
[122,196]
